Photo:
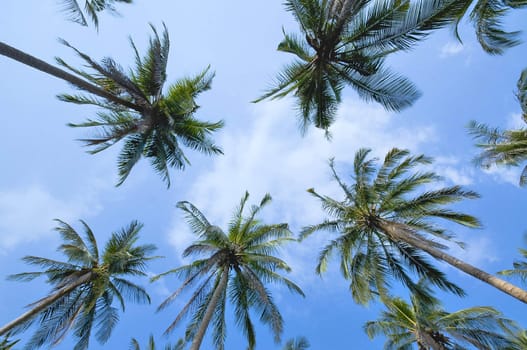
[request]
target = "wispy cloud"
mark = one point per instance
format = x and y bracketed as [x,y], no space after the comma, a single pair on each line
[454,170]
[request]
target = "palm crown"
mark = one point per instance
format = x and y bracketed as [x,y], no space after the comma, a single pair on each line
[237,265]
[369,253]
[345,42]
[84,286]
[152,124]
[428,325]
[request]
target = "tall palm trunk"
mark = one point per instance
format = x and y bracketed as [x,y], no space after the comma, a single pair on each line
[404,234]
[22,57]
[196,343]
[47,301]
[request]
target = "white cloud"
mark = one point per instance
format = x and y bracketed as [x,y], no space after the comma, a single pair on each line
[504,174]
[451,49]
[27,214]
[450,169]
[270,156]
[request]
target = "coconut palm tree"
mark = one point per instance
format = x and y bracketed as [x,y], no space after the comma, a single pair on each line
[134,345]
[430,327]
[385,227]
[487,16]
[84,286]
[345,42]
[504,147]
[300,343]
[235,265]
[151,123]
[76,13]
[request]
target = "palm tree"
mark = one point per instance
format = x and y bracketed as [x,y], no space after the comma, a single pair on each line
[345,42]
[75,12]
[486,16]
[237,265]
[84,286]
[430,327]
[151,124]
[134,345]
[504,147]
[385,227]
[300,343]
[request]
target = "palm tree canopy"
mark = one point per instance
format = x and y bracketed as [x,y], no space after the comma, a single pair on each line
[236,264]
[380,196]
[426,324]
[151,123]
[345,42]
[487,17]
[81,14]
[504,147]
[89,304]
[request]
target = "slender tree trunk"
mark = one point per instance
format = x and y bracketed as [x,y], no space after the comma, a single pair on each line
[22,57]
[45,302]
[402,233]
[196,343]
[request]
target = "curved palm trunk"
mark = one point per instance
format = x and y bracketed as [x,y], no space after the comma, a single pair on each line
[22,57]
[45,302]
[402,233]
[196,343]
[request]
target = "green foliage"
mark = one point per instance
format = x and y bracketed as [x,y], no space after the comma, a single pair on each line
[246,253]
[76,13]
[426,324]
[345,42]
[150,124]
[102,276]
[504,147]
[382,196]
[487,16]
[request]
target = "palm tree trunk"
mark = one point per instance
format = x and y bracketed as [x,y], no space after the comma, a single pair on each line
[22,57]
[404,234]
[196,343]
[45,302]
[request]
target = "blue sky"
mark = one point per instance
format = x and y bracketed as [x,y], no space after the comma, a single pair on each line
[46,174]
